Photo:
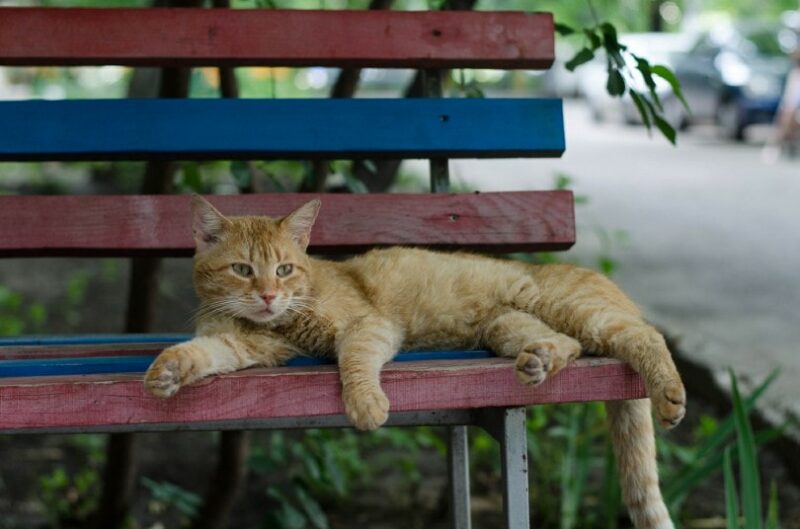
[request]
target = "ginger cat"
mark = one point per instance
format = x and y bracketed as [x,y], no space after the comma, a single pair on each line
[263,301]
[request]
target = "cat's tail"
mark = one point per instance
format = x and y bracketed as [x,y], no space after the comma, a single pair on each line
[631,427]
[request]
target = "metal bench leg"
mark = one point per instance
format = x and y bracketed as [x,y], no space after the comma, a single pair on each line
[458,470]
[507,426]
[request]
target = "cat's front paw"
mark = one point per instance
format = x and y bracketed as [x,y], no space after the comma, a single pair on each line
[669,403]
[367,408]
[163,377]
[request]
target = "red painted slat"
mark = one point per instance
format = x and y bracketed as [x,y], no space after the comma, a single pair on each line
[52,36]
[102,400]
[34,352]
[160,225]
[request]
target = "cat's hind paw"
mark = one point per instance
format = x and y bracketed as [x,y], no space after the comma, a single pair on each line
[534,364]
[545,358]
[669,403]
[367,409]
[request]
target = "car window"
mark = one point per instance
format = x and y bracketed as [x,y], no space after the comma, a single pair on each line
[705,47]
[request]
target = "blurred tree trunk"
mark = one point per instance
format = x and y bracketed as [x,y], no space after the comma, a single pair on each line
[656,21]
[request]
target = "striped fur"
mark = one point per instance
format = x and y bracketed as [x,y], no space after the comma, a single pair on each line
[364,310]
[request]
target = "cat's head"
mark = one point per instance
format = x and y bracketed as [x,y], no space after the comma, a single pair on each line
[252,267]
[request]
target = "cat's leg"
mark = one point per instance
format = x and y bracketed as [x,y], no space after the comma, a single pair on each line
[590,307]
[187,362]
[629,338]
[362,350]
[540,351]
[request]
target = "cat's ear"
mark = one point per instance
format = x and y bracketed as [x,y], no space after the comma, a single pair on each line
[207,223]
[298,223]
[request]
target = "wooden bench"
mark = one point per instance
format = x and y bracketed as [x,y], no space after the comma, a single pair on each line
[94,384]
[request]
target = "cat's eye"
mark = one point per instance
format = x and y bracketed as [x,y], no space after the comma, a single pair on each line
[284,270]
[244,270]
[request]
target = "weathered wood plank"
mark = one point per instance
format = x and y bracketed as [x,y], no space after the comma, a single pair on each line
[258,394]
[132,129]
[160,225]
[194,37]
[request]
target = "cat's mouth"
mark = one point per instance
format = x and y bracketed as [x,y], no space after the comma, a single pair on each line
[265,313]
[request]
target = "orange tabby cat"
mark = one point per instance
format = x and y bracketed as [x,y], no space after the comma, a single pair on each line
[263,301]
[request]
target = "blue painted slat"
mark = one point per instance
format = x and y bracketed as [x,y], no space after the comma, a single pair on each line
[98,339]
[284,128]
[139,364]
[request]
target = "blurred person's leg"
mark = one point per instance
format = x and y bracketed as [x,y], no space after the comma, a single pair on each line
[786,119]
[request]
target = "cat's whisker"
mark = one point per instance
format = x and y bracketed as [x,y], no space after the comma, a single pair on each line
[218,308]
[308,309]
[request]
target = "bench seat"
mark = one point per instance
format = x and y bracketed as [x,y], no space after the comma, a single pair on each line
[308,394]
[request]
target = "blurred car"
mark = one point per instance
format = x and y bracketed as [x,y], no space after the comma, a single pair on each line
[557,81]
[734,76]
[657,48]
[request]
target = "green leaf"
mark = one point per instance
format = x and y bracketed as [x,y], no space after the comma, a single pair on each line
[583,56]
[611,44]
[311,467]
[666,129]
[667,74]
[9,300]
[616,83]
[644,69]
[563,29]
[643,65]
[731,501]
[563,181]
[354,184]
[37,313]
[241,173]
[610,32]
[606,264]
[288,516]
[473,91]
[773,520]
[728,426]
[370,167]
[748,464]
[312,509]
[192,178]
[611,491]
[594,40]
[640,106]
[704,469]
[185,501]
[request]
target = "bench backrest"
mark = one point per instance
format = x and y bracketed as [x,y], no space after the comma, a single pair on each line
[287,128]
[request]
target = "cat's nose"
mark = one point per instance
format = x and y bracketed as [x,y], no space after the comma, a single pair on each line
[268,298]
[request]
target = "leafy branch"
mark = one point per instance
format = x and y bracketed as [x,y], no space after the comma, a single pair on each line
[622,74]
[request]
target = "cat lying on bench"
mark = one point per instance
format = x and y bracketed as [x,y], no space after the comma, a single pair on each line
[263,301]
